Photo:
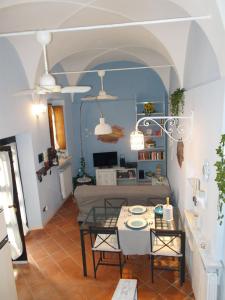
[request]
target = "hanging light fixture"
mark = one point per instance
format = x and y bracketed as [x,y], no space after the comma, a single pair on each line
[170,126]
[102,128]
[137,140]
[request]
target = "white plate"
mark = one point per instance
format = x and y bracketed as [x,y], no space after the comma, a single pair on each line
[137,209]
[136,223]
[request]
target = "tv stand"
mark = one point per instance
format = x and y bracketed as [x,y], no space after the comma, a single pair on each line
[114,175]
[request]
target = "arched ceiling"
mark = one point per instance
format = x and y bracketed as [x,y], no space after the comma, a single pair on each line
[168,40]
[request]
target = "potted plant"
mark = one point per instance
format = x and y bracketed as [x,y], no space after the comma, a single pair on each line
[220,177]
[177,102]
[149,108]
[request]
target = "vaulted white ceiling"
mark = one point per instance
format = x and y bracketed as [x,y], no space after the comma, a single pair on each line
[82,50]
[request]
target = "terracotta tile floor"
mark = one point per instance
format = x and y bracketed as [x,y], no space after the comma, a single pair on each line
[55,271]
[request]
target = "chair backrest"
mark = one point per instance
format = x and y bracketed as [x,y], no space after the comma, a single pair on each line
[153,201]
[115,202]
[167,241]
[103,234]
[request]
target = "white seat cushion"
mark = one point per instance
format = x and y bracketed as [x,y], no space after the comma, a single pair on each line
[109,245]
[174,244]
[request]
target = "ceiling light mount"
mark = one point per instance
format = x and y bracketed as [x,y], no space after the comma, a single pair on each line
[102,95]
[44,37]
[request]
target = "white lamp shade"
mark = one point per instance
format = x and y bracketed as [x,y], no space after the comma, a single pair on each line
[103,128]
[137,140]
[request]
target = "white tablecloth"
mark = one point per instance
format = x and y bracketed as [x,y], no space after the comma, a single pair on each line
[133,241]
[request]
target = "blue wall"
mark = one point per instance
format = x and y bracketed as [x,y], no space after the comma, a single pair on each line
[127,85]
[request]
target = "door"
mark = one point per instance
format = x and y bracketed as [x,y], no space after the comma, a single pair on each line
[10,202]
[7,282]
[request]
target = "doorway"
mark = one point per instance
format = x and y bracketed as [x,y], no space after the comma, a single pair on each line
[11,199]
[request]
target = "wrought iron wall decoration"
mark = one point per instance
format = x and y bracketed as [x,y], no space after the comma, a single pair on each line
[173,126]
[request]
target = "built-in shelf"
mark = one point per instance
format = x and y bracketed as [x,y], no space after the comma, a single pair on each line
[152,114]
[210,263]
[145,102]
[153,136]
[151,124]
[153,149]
[149,157]
[151,160]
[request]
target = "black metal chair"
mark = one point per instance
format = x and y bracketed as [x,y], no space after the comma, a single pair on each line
[115,202]
[105,240]
[168,243]
[153,201]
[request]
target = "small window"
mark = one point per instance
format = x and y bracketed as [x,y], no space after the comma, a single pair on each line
[56,126]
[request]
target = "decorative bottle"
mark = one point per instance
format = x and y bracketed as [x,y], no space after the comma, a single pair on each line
[168,210]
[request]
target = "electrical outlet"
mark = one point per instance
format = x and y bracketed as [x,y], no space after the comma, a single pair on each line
[40,157]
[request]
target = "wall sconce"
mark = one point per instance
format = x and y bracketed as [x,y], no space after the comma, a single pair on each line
[171,126]
[39,106]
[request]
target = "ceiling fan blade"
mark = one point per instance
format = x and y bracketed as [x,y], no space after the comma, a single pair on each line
[106,97]
[36,91]
[24,92]
[75,89]
[110,97]
[89,98]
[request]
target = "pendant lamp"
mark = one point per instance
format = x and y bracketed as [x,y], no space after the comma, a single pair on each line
[102,128]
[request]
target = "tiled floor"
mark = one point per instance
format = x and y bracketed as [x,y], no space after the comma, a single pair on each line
[54,271]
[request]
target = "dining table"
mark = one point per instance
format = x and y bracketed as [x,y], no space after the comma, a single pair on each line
[133,224]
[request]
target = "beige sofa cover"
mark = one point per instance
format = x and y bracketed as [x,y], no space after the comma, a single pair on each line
[88,196]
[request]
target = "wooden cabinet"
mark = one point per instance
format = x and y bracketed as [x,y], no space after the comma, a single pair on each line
[115,176]
[106,177]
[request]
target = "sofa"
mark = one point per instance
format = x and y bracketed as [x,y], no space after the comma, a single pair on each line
[87,196]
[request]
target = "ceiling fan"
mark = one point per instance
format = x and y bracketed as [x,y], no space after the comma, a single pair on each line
[47,84]
[102,95]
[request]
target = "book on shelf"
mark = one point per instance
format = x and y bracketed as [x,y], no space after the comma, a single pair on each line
[153,155]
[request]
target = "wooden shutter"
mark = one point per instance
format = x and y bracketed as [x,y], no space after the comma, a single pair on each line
[59,126]
[50,111]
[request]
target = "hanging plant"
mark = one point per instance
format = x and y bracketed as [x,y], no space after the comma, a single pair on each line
[177,102]
[220,177]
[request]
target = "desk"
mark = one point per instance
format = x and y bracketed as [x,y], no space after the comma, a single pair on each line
[114,217]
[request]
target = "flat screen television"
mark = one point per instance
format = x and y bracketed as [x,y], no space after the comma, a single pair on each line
[105,159]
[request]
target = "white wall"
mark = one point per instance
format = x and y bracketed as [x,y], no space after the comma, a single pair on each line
[16,119]
[221,233]
[201,64]
[207,103]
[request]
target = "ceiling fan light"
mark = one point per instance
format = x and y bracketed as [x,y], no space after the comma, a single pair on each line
[47,80]
[103,128]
